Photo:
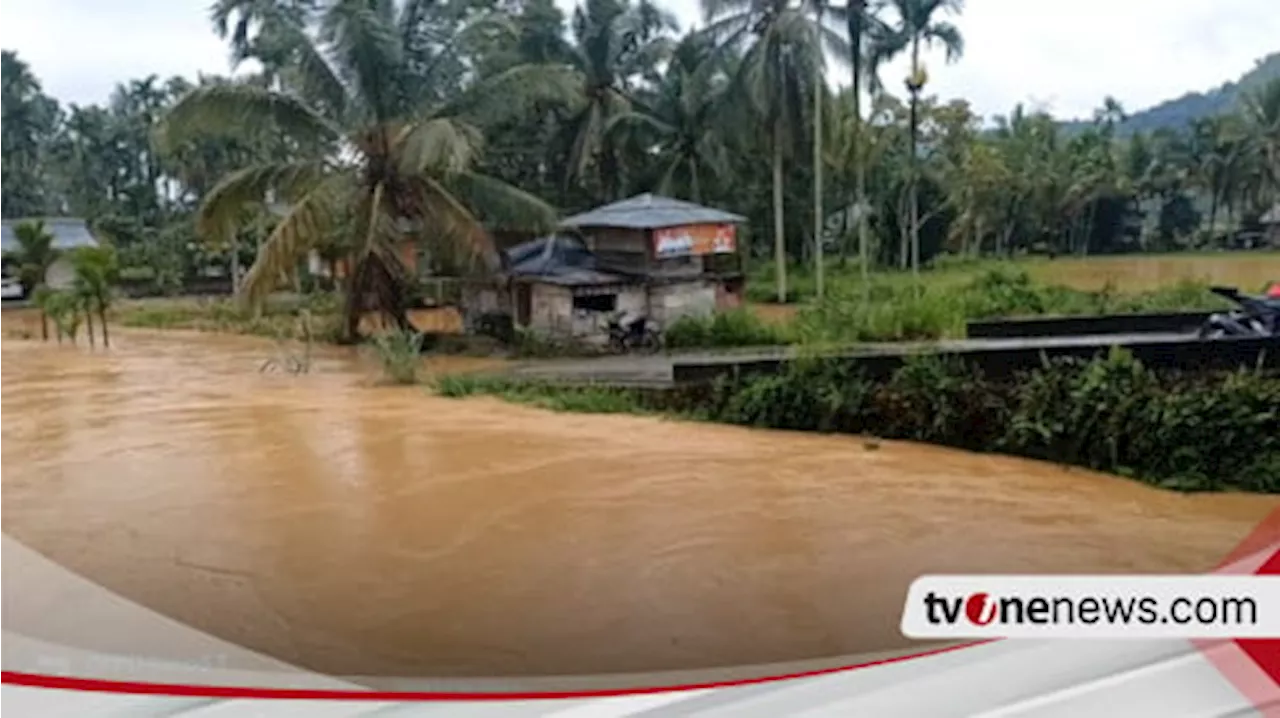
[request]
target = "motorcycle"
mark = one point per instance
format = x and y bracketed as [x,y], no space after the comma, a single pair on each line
[1256,317]
[628,332]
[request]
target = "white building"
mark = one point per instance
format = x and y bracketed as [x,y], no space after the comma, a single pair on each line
[68,233]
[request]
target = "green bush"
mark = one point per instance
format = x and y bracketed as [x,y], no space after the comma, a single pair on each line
[940,400]
[811,394]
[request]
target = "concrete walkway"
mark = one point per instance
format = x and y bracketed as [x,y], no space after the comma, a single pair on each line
[656,370]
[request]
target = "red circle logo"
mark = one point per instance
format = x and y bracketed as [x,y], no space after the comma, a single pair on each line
[979,609]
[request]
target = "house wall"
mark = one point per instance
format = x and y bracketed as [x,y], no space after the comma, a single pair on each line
[61,274]
[670,302]
[625,249]
[552,311]
[480,299]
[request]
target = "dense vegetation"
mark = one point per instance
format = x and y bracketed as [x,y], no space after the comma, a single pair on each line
[1202,432]
[366,122]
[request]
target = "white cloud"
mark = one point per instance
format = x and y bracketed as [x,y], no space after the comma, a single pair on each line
[1066,55]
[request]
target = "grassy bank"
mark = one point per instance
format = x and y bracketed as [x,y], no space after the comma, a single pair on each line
[1185,432]
[1123,274]
[281,317]
[896,310]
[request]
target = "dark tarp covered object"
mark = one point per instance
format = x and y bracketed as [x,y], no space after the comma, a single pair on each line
[558,259]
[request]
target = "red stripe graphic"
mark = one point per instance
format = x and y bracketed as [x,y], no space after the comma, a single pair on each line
[1252,665]
[196,691]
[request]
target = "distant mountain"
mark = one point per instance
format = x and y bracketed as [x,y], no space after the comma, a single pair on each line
[1176,114]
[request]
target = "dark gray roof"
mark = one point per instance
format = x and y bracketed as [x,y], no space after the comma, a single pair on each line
[650,211]
[558,259]
[68,232]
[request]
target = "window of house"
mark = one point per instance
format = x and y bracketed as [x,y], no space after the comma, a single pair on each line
[596,302]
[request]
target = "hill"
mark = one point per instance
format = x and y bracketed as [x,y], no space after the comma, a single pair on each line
[1178,113]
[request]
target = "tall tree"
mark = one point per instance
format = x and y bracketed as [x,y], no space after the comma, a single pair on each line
[1262,112]
[774,78]
[683,121]
[374,153]
[862,20]
[615,44]
[918,25]
[29,120]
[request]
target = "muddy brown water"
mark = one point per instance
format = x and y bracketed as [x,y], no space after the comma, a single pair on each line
[357,529]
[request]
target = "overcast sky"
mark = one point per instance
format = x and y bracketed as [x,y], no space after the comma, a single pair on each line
[1065,56]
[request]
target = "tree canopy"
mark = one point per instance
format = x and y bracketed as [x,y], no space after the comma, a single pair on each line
[445,124]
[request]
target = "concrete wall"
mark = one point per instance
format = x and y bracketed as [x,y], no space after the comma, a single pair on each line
[61,274]
[552,313]
[478,300]
[670,302]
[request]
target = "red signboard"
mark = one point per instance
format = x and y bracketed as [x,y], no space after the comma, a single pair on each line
[694,239]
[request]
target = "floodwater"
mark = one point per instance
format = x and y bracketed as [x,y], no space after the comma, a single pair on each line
[360,530]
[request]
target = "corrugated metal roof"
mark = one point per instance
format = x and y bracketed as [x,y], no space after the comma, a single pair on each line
[650,211]
[68,232]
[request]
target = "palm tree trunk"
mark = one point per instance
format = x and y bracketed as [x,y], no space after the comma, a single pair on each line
[102,321]
[915,189]
[1213,212]
[779,241]
[693,181]
[818,249]
[235,265]
[88,323]
[44,326]
[859,170]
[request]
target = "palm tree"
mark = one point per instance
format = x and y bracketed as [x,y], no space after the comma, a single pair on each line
[819,96]
[1262,112]
[774,77]
[918,27]
[682,123]
[376,153]
[34,256]
[97,270]
[861,20]
[614,42]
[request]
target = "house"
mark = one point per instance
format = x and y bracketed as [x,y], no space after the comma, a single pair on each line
[68,233]
[654,256]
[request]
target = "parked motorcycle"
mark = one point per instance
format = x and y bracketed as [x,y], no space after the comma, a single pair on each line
[631,332]
[1256,317]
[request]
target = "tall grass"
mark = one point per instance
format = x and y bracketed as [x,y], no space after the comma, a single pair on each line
[900,312]
[737,328]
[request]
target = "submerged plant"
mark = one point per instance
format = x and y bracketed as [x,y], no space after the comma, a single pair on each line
[400,354]
[288,360]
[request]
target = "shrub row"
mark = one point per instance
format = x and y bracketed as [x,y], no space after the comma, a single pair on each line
[1181,431]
